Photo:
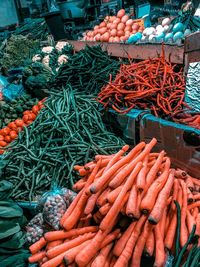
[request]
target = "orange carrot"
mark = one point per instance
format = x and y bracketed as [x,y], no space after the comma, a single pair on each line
[189,183]
[198,225]
[190,197]
[102,198]
[150,244]
[132,204]
[153,171]
[121,243]
[139,247]
[149,199]
[110,217]
[119,178]
[108,260]
[113,261]
[71,207]
[37,246]
[73,218]
[180,174]
[70,244]
[100,260]
[175,193]
[190,221]
[160,256]
[110,238]
[57,235]
[171,232]
[79,185]
[128,250]
[37,257]
[53,244]
[163,222]
[141,178]
[183,231]
[70,254]
[195,181]
[55,261]
[88,252]
[193,205]
[196,197]
[91,203]
[195,212]
[97,185]
[111,197]
[160,204]
[104,209]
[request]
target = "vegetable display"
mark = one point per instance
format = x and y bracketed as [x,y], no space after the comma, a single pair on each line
[114,29]
[189,118]
[154,84]
[9,133]
[88,70]
[98,227]
[68,130]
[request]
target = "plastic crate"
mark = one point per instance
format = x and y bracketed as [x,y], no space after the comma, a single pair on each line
[181,143]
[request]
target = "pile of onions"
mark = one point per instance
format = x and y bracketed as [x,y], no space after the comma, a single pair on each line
[114,29]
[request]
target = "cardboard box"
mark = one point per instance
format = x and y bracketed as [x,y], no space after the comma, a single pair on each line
[182,143]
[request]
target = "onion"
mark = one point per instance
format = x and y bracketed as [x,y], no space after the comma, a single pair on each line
[120,13]
[128,33]
[117,21]
[141,29]
[105,37]
[97,37]
[134,31]
[110,39]
[135,26]
[116,39]
[102,30]
[120,26]
[113,26]
[129,22]
[112,18]
[102,24]
[123,38]
[124,18]
[113,32]
[96,27]
[128,28]
[120,33]
[109,25]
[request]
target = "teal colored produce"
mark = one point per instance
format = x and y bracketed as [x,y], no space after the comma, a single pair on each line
[169,36]
[178,27]
[132,39]
[160,36]
[187,32]
[177,36]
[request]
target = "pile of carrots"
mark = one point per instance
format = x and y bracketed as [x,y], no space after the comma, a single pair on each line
[190,118]
[153,84]
[10,133]
[126,206]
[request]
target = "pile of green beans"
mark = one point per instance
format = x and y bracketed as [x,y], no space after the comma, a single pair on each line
[69,130]
[88,70]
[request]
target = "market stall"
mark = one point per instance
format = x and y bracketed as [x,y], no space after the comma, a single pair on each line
[100,142]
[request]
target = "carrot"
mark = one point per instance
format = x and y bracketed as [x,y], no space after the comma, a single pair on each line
[111,197]
[141,178]
[88,252]
[121,243]
[198,225]
[119,178]
[102,198]
[100,260]
[196,197]
[190,221]
[37,246]
[79,185]
[97,185]
[160,256]
[70,254]
[62,265]
[169,200]
[108,260]
[180,197]
[91,203]
[193,205]
[163,222]
[190,197]
[53,244]
[71,207]
[70,244]
[57,235]
[189,182]
[153,171]
[108,220]
[149,199]
[128,250]
[113,261]
[184,231]
[180,174]
[132,209]
[137,253]
[37,257]
[150,244]
[104,209]
[195,181]
[55,261]
[71,221]
[171,232]
[160,204]
[195,212]
[175,193]
[110,238]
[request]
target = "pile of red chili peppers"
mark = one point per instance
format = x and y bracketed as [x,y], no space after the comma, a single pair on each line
[190,119]
[153,84]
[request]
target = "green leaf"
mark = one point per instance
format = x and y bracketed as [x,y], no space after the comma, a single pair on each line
[8,229]
[20,259]
[14,242]
[9,209]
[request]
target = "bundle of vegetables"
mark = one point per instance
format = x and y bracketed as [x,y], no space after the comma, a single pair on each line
[114,29]
[15,108]
[153,84]
[69,129]
[125,206]
[9,133]
[188,21]
[36,78]
[16,50]
[12,222]
[88,70]
[34,28]
[189,118]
